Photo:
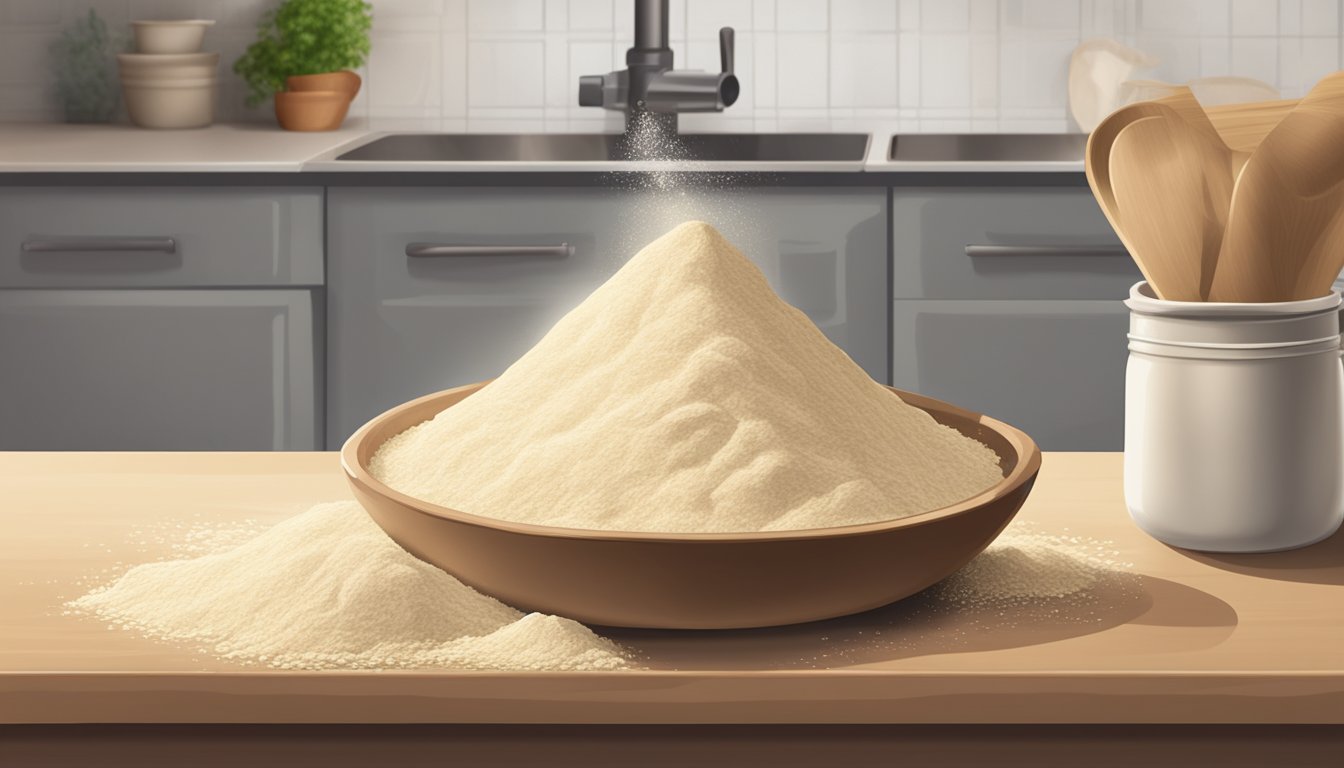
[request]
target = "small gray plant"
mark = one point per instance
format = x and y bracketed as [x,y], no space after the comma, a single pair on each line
[83,60]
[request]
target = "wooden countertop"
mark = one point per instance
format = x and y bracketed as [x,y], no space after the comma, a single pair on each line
[1192,639]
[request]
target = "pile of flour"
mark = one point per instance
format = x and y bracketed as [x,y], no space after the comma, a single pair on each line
[1026,566]
[328,589]
[685,395]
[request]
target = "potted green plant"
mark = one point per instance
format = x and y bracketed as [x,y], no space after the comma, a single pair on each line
[302,58]
[83,61]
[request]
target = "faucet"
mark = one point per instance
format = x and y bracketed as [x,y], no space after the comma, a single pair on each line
[649,90]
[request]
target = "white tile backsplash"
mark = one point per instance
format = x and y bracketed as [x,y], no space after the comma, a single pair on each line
[802,16]
[1320,18]
[705,17]
[863,70]
[864,16]
[505,15]
[1255,17]
[945,15]
[813,65]
[945,71]
[1256,57]
[1034,72]
[506,73]
[802,69]
[590,16]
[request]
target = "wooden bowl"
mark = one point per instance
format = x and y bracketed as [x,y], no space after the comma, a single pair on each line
[696,580]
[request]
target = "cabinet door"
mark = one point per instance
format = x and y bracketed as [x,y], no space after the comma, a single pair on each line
[1005,243]
[1055,369]
[160,237]
[402,325]
[157,370]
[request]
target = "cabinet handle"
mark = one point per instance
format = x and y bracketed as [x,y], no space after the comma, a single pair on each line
[99,244]
[432,250]
[1046,250]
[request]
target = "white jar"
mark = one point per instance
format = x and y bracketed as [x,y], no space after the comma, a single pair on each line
[1234,422]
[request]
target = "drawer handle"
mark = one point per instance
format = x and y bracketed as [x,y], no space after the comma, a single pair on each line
[99,244]
[433,250]
[1046,250]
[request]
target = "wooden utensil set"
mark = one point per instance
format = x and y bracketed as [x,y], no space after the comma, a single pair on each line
[1237,203]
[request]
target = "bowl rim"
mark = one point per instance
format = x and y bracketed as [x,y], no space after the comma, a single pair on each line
[1027,466]
[173,23]
[204,82]
[313,95]
[203,58]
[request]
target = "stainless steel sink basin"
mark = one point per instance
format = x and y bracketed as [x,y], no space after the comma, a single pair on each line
[988,147]
[728,148]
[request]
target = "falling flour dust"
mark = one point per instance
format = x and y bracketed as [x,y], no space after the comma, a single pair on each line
[685,395]
[328,589]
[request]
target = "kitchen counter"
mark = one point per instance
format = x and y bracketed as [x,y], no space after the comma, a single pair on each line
[62,148]
[121,150]
[1186,638]
[1190,659]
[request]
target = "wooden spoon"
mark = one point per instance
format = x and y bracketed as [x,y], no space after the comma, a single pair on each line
[1244,126]
[1285,235]
[1164,179]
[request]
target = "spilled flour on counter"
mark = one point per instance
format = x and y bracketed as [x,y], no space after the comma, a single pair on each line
[685,395]
[1026,565]
[328,589]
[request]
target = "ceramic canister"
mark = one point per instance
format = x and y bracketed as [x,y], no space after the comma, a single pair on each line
[1234,422]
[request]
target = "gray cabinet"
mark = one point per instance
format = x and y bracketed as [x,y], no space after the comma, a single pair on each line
[403,325]
[152,318]
[160,237]
[1008,302]
[1005,243]
[1055,369]
[157,370]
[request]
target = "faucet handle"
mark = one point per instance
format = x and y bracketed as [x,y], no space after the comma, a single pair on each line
[726,50]
[590,91]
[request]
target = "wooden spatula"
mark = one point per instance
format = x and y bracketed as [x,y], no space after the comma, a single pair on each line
[1164,179]
[1244,126]
[1285,234]
[1173,186]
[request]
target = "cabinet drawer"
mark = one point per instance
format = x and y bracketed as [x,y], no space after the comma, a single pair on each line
[158,370]
[432,288]
[1005,243]
[1055,369]
[143,237]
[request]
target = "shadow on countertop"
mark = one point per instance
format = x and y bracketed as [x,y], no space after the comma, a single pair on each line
[1320,563]
[925,625]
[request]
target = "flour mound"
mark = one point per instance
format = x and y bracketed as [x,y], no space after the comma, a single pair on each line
[539,642]
[328,589]
[685,395]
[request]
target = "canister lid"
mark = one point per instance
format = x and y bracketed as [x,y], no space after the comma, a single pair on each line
[1216,325]
[1142,299]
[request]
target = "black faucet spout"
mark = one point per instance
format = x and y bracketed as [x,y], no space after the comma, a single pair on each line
[651,22]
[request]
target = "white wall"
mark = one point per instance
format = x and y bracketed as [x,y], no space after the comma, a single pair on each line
[902,65]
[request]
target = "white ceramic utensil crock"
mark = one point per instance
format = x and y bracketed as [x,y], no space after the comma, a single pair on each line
[1234,422]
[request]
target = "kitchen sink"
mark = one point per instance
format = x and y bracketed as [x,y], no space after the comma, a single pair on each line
[736,149]
[988,147]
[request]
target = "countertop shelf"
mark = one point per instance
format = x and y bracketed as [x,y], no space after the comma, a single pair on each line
[1187,638]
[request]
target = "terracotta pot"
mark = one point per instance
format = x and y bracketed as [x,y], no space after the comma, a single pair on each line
[311,110]
[344,81]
